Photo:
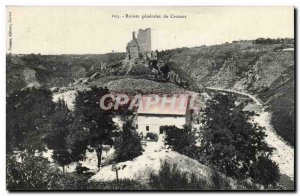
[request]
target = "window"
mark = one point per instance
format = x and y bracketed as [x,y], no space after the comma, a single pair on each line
[136,126]
[147,128]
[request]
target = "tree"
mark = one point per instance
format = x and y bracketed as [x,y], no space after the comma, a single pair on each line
[56,134]
[264,171]
[181,140]
[77,140]
[27,112]
[34,173]
[128,145]
[124,112]
[97,121]
[170,177]
[231,142]
[165,69]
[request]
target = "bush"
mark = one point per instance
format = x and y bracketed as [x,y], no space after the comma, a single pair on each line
[171,178]
[265,172]
[165,69]
[124,184]
[80,182]
[269,41]
[152,136]
[219,182]
[181,140]
[128,145]
[36,173]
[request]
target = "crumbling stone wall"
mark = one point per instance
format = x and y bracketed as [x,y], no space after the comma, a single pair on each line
[132,47]
[144,40]
[141,44]
[133,52]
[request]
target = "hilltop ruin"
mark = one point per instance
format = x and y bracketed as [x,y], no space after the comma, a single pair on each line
[140,44]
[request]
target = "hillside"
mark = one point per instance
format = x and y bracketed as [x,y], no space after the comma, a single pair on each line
[261,73]
[265,70]
[155,153]
[55,70]
[258,68]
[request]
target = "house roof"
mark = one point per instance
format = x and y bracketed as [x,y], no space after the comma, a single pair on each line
[164,105]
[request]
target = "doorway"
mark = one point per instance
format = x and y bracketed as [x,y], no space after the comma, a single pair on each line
[161,131]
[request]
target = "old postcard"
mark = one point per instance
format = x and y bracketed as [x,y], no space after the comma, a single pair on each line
[150,98]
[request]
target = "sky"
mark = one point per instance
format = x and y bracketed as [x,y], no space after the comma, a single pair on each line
[98,30]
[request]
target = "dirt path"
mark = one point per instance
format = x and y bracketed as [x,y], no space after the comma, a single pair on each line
[283,154]
[258,102]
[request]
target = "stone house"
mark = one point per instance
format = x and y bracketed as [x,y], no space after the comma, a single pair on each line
[173,112]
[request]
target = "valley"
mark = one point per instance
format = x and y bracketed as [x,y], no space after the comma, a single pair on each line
[262,74]
[283,153]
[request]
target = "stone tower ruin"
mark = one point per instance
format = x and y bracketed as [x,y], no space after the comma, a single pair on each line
[144,40]
[140,45]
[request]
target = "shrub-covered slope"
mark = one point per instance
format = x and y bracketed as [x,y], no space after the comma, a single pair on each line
[55,70]
[266,70]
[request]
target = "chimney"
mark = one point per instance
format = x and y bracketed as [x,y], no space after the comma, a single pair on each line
[133,35]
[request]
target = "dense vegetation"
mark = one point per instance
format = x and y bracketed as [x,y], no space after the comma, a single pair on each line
[128,144]
[273,41]
[181,140]
[232,143]
[170,177]
[97,121]
[27,113]
[261,67]
[56,133]
[229,142]
[36,173]
[35,124]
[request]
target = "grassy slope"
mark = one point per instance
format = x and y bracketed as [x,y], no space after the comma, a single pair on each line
[264,70]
